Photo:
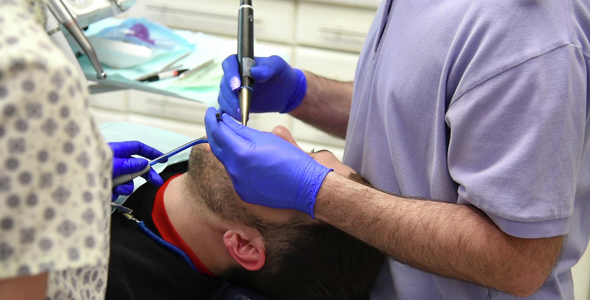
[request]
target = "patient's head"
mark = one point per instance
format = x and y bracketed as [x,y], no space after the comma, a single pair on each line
[296,257]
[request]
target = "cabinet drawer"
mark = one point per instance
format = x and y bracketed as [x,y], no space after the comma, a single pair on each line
[103,115]
[166,107]
[332,64]
[111,100]
[333,27]
[190,129]
[273,19]
[358,3]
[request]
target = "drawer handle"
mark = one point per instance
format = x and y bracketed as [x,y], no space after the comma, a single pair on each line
[343,32]
[168,104]
[196,13]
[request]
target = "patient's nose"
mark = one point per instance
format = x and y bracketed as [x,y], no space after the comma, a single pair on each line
[285,134]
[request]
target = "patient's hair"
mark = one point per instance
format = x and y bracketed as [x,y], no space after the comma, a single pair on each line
[304,260]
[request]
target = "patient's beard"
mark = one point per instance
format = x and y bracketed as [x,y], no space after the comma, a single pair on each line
[209,180]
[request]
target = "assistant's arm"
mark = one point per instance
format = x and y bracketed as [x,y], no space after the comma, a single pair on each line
[326,104]
[451,240]
[24,288]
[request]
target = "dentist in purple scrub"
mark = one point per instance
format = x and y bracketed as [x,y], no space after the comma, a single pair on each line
[470,117]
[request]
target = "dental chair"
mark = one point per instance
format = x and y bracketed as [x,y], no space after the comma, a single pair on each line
[234,292]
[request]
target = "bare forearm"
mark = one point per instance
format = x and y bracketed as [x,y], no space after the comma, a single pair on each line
[447,239]
[326,104]
[24,288]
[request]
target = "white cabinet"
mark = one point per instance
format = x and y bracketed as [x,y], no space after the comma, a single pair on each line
[336,65]
[333,27]
[321,36]
[109,106]
[105,115]
[115,101]
[166,107]
[581,276]
[355,3]
[221,17]
[190,129]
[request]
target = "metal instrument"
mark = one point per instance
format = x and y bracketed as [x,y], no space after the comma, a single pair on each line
[73,15]
[128,177]
[246,56]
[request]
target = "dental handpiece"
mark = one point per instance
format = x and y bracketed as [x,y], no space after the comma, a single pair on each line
[63,16]
[246,56]
[128,177]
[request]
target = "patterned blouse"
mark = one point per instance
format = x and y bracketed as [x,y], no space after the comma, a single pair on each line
[55,168]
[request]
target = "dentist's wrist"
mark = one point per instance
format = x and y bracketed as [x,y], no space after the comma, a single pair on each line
[299,92]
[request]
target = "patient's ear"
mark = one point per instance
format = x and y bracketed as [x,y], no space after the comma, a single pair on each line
[249,252]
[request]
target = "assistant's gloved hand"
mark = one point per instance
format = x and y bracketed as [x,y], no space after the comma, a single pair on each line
[278,87]
[264,168]
[123,163]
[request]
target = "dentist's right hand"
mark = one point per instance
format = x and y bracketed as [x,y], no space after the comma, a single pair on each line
[264,168]
[278,87]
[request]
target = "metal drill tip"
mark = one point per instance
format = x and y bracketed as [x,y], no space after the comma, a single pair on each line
[245,98]
[101,75]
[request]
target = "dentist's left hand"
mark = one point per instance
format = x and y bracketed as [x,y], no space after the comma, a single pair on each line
[124,163]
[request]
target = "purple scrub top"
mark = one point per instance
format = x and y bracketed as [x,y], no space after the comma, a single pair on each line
[481,103]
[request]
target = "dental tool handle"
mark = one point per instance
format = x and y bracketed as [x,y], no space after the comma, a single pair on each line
[58,38]
[63,16]
[177,150]
[77,33]
[246,56]
[128,177]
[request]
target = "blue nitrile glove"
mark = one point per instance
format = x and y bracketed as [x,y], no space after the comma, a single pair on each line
[278,87]
[123,163]
[264,168]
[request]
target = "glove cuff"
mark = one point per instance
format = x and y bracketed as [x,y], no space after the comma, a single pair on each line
[299,93]
[316,183]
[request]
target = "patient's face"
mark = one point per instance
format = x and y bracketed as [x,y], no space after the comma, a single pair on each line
[216,188]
